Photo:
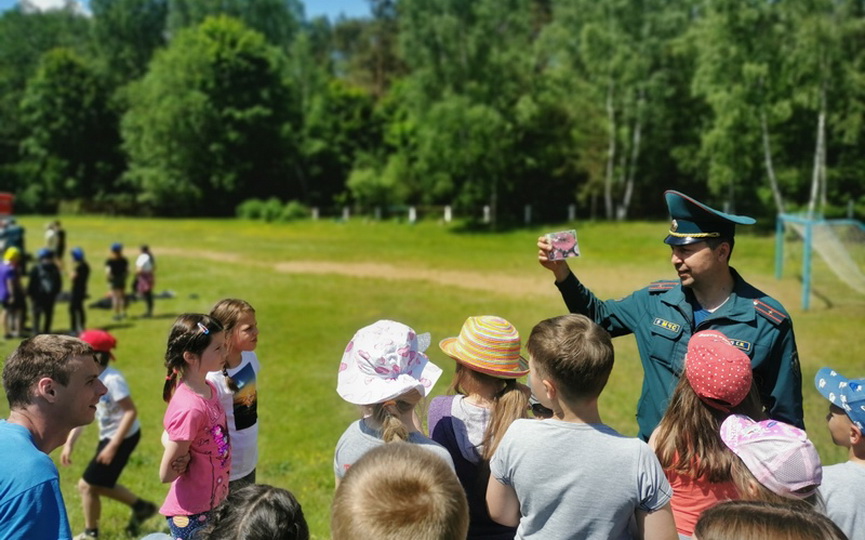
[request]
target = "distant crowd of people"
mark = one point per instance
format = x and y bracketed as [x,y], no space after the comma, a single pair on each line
[721,454]
[42,285]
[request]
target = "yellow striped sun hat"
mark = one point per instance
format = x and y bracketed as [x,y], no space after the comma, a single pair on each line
[490,345]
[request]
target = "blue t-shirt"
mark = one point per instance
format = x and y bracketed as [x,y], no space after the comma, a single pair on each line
[31,504]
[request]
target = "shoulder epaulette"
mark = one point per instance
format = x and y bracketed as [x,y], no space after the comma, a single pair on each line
[663,285]
[775,315]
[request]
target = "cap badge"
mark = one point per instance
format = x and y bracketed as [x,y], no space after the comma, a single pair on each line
[674,226]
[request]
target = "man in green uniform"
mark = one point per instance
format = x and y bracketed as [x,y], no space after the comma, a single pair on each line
[708,294]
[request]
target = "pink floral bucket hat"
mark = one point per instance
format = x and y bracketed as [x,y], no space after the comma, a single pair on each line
[384,361]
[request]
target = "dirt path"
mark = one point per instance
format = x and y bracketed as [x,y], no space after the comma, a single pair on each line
[530,285]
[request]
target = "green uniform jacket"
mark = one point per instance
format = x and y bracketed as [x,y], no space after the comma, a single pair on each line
[662,322]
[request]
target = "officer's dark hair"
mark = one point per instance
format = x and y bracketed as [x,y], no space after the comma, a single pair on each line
[713,244]
[573,351]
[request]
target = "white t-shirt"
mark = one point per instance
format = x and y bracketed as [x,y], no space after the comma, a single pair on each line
[581,481]
[241,411]
[144,263]
[108,412]
[843,490]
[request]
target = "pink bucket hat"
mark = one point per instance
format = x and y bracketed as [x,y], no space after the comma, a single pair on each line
[779,455]
[488,344]
[383,361]
[719,373]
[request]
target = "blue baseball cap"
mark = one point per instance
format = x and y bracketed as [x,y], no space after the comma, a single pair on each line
[116,246]
[77,253]
[848,394]
[44,253]
[693,221]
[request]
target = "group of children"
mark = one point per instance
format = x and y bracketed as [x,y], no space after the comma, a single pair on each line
[714,457]
[488,469]
[210,424]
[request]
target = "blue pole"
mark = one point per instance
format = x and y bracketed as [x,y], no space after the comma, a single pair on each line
[806,267]
[779,246]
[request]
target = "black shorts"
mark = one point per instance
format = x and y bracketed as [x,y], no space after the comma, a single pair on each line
[98,474]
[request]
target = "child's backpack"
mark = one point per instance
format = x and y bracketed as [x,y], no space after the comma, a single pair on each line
[48,280]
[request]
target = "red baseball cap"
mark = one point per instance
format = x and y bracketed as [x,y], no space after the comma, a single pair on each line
[719,372]
[100,340]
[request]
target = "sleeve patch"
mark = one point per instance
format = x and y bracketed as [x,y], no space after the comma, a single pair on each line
[769,312]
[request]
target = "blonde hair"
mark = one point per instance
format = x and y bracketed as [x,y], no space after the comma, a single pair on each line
[688,439]
[761,520]
[509,403]
[228,312]
[385,416]
[399,491]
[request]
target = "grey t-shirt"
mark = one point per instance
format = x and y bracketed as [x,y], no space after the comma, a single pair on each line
[580,481]
[843,490]
[359,439]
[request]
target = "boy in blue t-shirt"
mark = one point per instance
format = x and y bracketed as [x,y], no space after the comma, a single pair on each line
[572,476]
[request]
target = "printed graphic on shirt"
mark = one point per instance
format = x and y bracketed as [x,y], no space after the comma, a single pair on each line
[245,399]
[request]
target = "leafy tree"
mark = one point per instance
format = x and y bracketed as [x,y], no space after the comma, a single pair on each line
[24,37]
[211,121]
[71,145]
[465,58]
[278,20]
[126,33]
[366,48]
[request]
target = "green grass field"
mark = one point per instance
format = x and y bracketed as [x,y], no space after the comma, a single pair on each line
[314,284]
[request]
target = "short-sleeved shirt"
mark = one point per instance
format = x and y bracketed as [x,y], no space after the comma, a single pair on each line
[118,269]
[241,412]
[108,411]
[359,439]
[580,481]
[31,504]
[204,485]
[843,490]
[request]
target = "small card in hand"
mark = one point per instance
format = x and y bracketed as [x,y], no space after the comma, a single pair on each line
[564,245]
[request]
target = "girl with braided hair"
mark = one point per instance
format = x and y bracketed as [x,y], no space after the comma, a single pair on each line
[384,370]
[236,384]
[194,424]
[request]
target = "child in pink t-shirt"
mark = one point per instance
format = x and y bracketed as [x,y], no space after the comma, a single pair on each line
[717,382]
[195,424]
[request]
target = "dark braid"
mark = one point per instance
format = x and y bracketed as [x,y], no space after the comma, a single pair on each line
[191,332]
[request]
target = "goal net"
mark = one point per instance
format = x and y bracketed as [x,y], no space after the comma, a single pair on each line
[836,273]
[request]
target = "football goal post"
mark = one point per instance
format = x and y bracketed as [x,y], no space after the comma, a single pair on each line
[840,243]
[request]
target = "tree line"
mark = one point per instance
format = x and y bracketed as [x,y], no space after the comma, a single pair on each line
[189,107]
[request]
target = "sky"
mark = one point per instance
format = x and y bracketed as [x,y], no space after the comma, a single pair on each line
[329,8]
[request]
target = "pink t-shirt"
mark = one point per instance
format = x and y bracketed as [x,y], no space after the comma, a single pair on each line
[204,485]
[692,496]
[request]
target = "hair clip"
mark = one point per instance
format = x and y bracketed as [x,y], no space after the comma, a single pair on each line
[204,329]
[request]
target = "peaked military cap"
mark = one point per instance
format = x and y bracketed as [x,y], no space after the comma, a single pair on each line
[693,221]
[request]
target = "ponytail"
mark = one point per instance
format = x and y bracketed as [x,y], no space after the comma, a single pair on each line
[510,403]
[170,384]
[386,416]
[229,381]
